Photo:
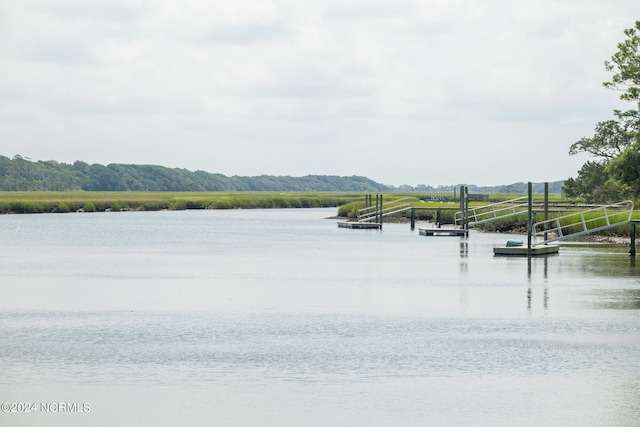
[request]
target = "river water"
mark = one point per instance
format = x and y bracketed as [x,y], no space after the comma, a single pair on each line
[279,317]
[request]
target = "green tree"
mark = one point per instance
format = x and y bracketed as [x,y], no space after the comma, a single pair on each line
[615,143]
[625,63]
[610,139]
[590,183]
[624,173]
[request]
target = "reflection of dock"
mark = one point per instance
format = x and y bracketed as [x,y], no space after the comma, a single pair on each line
[443,232]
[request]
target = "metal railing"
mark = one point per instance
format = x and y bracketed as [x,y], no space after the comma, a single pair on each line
[371,213]
[585,222]
[493,212]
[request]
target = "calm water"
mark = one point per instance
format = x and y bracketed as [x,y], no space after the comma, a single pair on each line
[278,317]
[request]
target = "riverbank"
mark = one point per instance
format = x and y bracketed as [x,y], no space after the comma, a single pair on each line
[596,238]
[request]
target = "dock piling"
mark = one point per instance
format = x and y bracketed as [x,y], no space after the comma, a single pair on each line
[546,209]
[529,215]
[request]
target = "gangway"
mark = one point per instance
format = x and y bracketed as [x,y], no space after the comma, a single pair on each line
[493,212]
[585,222]
[372,213]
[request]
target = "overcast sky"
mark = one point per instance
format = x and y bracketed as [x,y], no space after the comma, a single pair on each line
[403,92]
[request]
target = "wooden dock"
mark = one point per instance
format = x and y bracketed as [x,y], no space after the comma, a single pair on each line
[523,250]
[443,232]
[360,225]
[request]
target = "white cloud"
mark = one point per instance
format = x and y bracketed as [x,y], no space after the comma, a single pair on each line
[289,88]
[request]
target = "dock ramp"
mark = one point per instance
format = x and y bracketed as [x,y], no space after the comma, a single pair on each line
[493,212]
[389,208]
[585,222]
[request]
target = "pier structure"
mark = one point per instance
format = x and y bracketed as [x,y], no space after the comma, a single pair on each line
[371,216]
[368,218]
[541,235]
[375,210]
[461,229]
[532,248]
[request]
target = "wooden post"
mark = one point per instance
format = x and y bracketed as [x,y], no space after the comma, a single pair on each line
[413,219]
[546,208]
[466,208]
[632,250]
[529,215]
[462,206]
[377,207]
[381,211]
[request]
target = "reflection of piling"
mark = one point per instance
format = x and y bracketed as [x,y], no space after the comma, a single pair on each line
[632,232]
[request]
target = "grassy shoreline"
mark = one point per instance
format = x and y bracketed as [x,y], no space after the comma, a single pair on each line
[347,203]
[73,201]
[23,202]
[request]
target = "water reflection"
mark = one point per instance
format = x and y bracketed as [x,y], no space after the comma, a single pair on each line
[464,249]
[545,260]
[606,261]
[545,275]
[615,299]
[545,299]
[239,311]
[464,254]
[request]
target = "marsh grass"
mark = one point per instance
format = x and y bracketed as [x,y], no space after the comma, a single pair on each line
[72,201]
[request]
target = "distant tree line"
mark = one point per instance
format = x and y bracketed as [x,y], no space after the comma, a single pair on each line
[515,188]
[21,174]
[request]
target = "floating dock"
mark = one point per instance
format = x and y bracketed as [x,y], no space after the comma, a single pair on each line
[523,250]
[443,232]
[360,225]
